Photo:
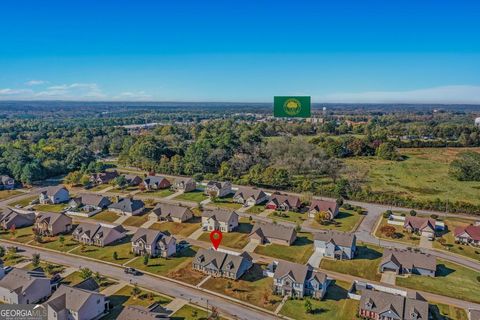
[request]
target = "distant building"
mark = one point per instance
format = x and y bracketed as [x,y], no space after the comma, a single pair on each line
[156,183]
[132,179]
[6,183]
[103,177]
[185,185]
[284,202]
[468,235]
[477,122]
[250,196]
[10,218]
[219,189]
[422,226]
[89,202]
[54,195]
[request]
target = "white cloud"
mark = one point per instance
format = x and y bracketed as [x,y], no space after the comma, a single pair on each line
[35,82]
[14,92]
[445,94]
[129,95]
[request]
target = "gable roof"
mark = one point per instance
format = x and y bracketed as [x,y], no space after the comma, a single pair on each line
[419,223]
[409,259]
[90,199]
[217,184]
[164,210]
[70,298]
[51,218]
[154,180]
[342,239]
[321,205]
[53,190]
[292,200]
[9,215]
[19,280]
[297,272]
[220,260]
[275,231]
[98,230]
[150,236]
[472,231]
[247,192]
[184,180]
[88,284]
[403,307]
[105,176]
[134,312]
[128,205]
[220,215]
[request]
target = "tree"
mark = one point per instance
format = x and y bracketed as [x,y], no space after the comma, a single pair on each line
[194,313]
[85,273]
[136,291]
[2,251]
[61,239]
[48,268]
[13,231]
[145,260]
[413,213]
[308,306]
[322,216]
[115,255]
[38,237]
[36,259]
[387,151]
[466,167]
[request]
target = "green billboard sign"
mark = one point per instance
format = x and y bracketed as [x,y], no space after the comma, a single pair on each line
[291,106]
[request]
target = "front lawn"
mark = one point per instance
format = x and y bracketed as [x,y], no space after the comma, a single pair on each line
[22,235]
[194,196]
[122,248]
[450,245]
[226,202]
[54,243]
[336,305]
[256,209]
[136,221]
[54,268]
[183,229]
[59,207]
[300,251]
[346,221]
[5,194]
[100,187]
[188,312]
[365,264]
[11,259]
[236,240]
[23,202]
[290,216]
[159,193]
[441,311]
[252,287]
[399,235]
[452,280]
[107,216]
[75,278]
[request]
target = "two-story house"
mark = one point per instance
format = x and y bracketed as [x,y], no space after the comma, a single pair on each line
[297,280]
[335,244]
[52,224]
[264,233]
[221,264]
[328,207]
[408,262]
[184,185]
[170,212]
[153,243]
[21,286]
[98,234]
[250,196]
[54,195]
[127,206]
[218,189]
[219,219]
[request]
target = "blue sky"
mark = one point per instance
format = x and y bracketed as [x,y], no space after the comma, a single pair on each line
[335,51]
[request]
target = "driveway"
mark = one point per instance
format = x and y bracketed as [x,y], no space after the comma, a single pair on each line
[315,259]
[388,277]
[250,247]
[425,243]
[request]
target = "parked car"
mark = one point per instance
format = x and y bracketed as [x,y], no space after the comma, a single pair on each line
[132,271]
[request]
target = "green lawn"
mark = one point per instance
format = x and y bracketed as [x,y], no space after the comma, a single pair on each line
[400,234]
[256,209]
[183,229]
[136,221]
[11,259]
[56,268]
[440,311]
[289,216]
[100,187]
[227,203]
[450,245]
[335,305]
[23,202]
[452,280]
[194,196]
[187,312]
[22,235]
[106,253]
[345,221]
[159,193]
[54,243]
[424,175]
[252,287]
[108,216]
[298,252]
[365,264]
[124,297]
[5,194]
[178,267]
[60,207]
[236,240]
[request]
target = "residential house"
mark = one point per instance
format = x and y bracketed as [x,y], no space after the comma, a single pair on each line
[380,305]
[335,244]
[98,234]
[128,206]
[152,312]
[219,219]
[89,202]
[218,189]
[297,280]
[73,303]
[422,226]
[284,202]
[473,314]
[273,233]
[21,286]
[250,196]
[6,183]
[328,207]
[408,262]
[132,180]
[103,177]
[154,243]
[468,235]
[184,185]
[156,183]
[221,264]
[170,212]
[11,218]
[51,224]
[54,195]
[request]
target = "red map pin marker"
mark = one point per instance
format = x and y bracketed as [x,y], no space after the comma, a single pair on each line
[216,238]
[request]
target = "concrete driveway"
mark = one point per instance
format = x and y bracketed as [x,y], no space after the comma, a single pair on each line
[388,277]
[315,259]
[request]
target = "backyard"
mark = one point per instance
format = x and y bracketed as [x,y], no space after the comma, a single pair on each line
[122,248]
[183,229]
[108,216]
[345,221]
[300,251]
[236,240]
[194,196]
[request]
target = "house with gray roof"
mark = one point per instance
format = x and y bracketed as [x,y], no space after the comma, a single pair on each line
[284,202]
[75,303]
[154,243]
[298,280]
[170,212]
[21,286]
[132,180]
[264,233]
[103,177]
[184,185]
[420,225]
[384,305]
[335,244]
[152,312]
[219,189]
[89,202]
[9,218]
[156,183]
[6,183]
[221,264]
[329,207]
[128,206]
[54,195]
[52,224]
[219,219]
[250,196]
[98,234]
[473,314]
[408,262]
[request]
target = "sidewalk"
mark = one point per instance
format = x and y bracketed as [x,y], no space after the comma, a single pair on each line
[195,235]
[108,291]
[176,305]
[121,219]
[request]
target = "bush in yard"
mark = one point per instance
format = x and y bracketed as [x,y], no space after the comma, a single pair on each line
[347,206]
[413,213]
[387,214]
[308,306]
[136,291]
[36,259]
[434,216]
[2,251]
[387,230]
[359,210]
[145,260]
[478,278]
[115,255]
[85,273]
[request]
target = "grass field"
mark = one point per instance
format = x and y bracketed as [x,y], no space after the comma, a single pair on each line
[236,240]
[227,203]
[335,305]
[136,221]
[365,264]
[23,202]
[252,287]
[345,221]
[159,193]
[54,243]
[440,311]
[108,216]
[452,280]
[22,235]
[183,229]
[451,246]
[298,252]
[75,278]
[290,216]
[256,209]
[5,194]
[56,268]
[194,196]
[423,175]
[122,249]
[51,207]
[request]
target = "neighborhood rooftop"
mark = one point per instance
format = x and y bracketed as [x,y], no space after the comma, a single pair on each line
[339,238]
[410,259]
[272,230]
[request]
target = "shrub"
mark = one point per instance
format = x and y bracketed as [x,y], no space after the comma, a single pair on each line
[413,213]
